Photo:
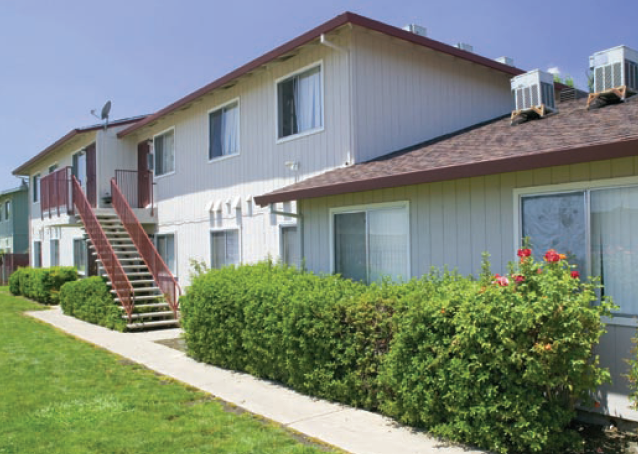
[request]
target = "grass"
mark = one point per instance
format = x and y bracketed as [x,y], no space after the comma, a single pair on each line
[61,395]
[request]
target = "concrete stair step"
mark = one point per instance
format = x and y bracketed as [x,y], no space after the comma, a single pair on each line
[145,315]
[155,324]
[151,306]
[141,298]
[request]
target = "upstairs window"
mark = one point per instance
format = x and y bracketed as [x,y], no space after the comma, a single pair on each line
[224,131]
[7,210]
[300,103]
[164,150]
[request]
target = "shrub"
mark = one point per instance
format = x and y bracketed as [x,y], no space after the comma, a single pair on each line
[14,281]
[41,284]
[320,335]
[91,300]
[498,362]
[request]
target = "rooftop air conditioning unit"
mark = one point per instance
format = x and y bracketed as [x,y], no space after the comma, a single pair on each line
[465,46]
[534,89]
[505,60]
[614,68]
[416,29]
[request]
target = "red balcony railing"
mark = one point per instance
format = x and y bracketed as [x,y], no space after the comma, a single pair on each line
[136,186]
[156,265]
[56,194]
[110,262]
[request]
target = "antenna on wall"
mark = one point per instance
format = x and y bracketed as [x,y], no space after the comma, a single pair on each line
[104,114]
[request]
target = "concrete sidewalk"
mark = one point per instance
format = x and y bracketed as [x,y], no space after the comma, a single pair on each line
[353,430]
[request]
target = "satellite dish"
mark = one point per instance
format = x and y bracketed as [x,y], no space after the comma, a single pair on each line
[106,110]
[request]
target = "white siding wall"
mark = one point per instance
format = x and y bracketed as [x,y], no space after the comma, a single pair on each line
[405,94]
[112,154]
[453,222]
[181,198]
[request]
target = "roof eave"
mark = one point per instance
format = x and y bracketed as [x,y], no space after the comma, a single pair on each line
[599,152]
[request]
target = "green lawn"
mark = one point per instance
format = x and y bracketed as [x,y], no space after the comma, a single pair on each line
[61,395]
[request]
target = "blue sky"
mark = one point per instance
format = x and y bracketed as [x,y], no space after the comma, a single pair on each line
[61,59]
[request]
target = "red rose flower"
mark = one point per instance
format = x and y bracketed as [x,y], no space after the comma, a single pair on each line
[524,252]
[552,256]
[519,278]
[539,271]
[502,281]
[575,274]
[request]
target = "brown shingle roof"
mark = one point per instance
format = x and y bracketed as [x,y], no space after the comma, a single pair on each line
[572,135]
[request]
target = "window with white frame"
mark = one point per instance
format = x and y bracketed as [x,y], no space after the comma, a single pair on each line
[37,254]
[224,248]
[164,151]
[36,188]
[290,245]
[165,244]
[80,255]
[372,243]
[595,228]
[54,252]
[300,103]
[7,210]
[223,126]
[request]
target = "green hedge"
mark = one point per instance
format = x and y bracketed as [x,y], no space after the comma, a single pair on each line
[91,300]
[41,284]
[498,362]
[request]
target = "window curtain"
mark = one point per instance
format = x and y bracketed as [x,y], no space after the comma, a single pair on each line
[557,222]
[307,99]
[614,244]
[290,245]
[169,152]
[230,130]
[219,249]
[351,258]
[225,248]
[388,243]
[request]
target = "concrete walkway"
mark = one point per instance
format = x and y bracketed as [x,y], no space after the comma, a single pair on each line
[352,430]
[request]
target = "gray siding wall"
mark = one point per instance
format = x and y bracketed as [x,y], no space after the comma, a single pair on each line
[453,222]
[405,94]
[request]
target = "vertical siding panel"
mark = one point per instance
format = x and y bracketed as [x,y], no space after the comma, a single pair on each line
[424,252]
[600,170]
[449,224]
[542,177]
[478,215]
[436,225]
[493,241]
[524,179]
[560,174]
[622,167]
[464,226]
[579,172]
[508,182]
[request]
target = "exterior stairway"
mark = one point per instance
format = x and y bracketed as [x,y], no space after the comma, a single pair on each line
[150,310]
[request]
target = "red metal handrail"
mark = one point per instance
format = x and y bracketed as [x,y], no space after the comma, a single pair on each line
[110,262]
[156,265]
[136,186]
[56,194]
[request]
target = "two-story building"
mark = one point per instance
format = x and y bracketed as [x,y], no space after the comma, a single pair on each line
[345,92]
